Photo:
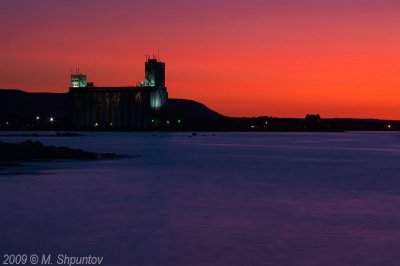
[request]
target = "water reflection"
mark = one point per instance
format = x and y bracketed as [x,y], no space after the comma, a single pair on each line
[228,199]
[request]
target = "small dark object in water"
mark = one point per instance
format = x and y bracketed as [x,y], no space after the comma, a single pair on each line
[67,134]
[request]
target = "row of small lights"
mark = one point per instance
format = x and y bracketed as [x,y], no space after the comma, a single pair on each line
[178,121]
[97,124]
[51,119]
[152,121]
[255,126]
[168,122]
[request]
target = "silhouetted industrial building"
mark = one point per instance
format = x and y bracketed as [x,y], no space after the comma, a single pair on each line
[119,107]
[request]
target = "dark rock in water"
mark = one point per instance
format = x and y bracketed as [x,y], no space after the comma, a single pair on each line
[35,150]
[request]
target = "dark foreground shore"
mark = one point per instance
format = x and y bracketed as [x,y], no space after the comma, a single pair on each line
[37,135]
[36,151]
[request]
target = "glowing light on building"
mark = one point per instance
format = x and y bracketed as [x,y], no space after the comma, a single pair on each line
[158,99]
[78,81]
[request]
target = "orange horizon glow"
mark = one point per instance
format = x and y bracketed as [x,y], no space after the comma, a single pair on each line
[254,58]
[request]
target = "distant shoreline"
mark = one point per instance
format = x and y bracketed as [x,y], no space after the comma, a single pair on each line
[22,111]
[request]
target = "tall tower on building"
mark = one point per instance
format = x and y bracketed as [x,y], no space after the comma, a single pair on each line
[155,79]
[154,73]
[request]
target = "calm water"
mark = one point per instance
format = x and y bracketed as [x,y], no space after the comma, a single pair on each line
[228,199]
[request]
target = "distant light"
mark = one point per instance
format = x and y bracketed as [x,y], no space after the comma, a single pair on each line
[37,117]
[252,126]
[51,119]
[111,124]
[167,121]
[7,123]
[179,121]
[266,122]
[389,126]
[152,120]
[96,124]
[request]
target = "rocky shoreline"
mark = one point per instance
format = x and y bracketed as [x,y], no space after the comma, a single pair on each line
[56,134]
[36,151]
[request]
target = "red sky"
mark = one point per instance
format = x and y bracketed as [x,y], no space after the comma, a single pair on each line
[281,58]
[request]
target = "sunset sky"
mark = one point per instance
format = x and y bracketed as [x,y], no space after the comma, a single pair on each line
[281,58]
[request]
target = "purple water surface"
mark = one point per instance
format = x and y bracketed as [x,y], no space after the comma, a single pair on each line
[222,199]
